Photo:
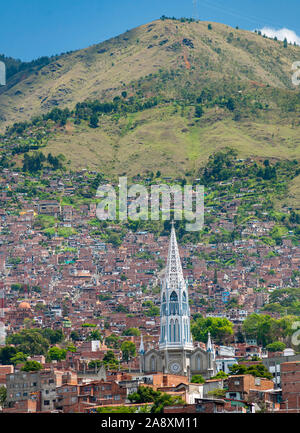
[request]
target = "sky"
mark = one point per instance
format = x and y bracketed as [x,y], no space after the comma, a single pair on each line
[34,28]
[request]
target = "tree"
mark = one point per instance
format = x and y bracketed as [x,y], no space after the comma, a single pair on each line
[18,358]
[220,375]
[285,43]
[266,329]
[95,335]
[29,341]
[165,400]
[53,336]
[132,331]
[219,328]
[71,348]
[95,363]
[144,394]
[215,276]
[197,378]
[277,346]
[6,353]
[114,239]
[128,350]
[55,353]
[153,311]
[238,369]
[32,366]
[230,104]
[258,370]
[240,336]
[3,395]
[217,393]
[113,341]
[93,121]
[199,111]
[122,309]
[75,336]
[109,358]
[116,409]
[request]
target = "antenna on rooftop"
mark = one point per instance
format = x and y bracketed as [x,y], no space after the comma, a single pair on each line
[195,6]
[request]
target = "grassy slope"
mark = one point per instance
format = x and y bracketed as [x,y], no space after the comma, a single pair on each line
[101,70]
[161,138]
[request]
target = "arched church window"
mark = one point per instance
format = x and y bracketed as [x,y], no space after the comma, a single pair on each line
[172,330]
[173,297]
[176,330]
[198,362]
[174,306]
[164,298]
[153,363]
[184,297]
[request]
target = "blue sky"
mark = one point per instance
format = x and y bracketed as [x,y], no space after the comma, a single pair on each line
[33,28]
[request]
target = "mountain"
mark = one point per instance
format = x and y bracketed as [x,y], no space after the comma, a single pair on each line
[180,91]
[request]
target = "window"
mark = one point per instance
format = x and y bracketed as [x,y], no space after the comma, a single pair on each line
[198,362]
[46,402]
[257,381]
[174,306]
[236,382]
[153,363]
[25,394]
[117,397]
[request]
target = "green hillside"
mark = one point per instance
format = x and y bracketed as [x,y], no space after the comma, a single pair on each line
[163,96]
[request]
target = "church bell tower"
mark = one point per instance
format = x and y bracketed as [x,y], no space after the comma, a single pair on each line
[176,353]
[175,333]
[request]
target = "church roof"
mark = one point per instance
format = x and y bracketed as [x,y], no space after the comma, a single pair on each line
[24,305]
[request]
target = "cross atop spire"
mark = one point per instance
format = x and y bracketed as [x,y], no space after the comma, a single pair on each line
[174,276]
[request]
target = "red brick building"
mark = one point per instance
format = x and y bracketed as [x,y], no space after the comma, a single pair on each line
[239,386]
[290,384]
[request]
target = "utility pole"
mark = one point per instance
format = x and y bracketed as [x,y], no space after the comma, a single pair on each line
[195,9]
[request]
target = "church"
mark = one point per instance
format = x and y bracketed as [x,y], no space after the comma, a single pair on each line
[176,353]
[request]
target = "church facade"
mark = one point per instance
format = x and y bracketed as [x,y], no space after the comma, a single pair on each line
[176,353]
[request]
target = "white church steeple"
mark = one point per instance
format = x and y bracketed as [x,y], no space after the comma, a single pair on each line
[175,311]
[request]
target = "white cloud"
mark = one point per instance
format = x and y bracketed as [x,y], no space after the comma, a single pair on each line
[281,34]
